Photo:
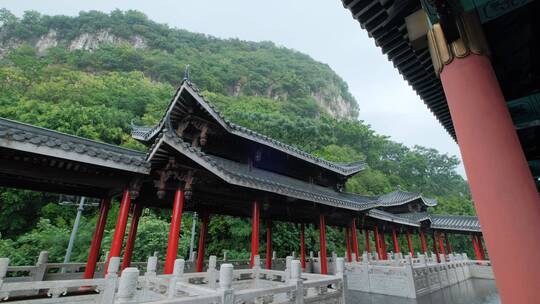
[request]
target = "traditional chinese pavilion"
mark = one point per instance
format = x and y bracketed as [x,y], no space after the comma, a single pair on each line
[199,161]
[475,64]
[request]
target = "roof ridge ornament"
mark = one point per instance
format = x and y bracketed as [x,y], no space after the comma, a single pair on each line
[186,74]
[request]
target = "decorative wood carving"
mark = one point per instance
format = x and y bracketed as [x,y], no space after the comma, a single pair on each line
[472,40]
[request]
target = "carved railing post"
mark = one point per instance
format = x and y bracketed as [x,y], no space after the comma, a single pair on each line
[212,272]
[111,278]
[297,296]
[4,263]
[340,272]
[178,272]
[41,265]
[225,284]
[151,267]
[128,285]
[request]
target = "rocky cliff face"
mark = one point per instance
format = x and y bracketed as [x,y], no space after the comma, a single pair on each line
[328,98]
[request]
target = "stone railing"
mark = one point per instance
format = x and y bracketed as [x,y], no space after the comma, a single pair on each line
[227,285]
[44,271]
[412,277]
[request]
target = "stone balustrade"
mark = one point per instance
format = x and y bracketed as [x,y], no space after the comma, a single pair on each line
[412,277]
[228,285]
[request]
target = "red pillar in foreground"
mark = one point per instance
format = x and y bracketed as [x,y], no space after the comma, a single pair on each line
[409,243]
[203,232]
[476,249]
[302,247]
[269,244]
[255,231]
[120,229]
[348,244]
[366,233]
[93,254]
[435,249]
[498,174]
[378,243]
[355,239]
[423,242]
[174,231]
[322,240]
[132,235]
[395,241]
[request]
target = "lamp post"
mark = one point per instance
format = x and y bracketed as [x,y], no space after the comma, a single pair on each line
[191,243]
[80,208]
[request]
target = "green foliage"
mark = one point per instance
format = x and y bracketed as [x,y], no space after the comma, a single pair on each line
[98,94]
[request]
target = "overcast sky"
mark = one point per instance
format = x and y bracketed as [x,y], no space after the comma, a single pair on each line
[321,28]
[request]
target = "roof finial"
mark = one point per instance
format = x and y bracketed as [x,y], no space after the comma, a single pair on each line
[186,73]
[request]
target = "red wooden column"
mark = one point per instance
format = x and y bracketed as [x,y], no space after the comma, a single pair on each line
[269,244]
[435,249]
[203,233]
[322,243]
[120,229]
[423,242]
[348,244]
[93,254]
[384,249]
[174,231]
[366,233]
[377,237]
[395,241]
[355,239]
[481,247]
[255,216]
[441,246]
[409,242]
[498,174]
[302,246]
[448,244]
[476,249]
[132,235]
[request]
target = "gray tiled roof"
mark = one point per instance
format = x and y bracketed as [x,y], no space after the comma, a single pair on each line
[399,197]
[455,222]
[242,175]
[146,134]
[390,217]
[440,222]
[19,136]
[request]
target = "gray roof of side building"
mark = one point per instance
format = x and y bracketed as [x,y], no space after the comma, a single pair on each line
[398,197]
[28,138]
[146,134]
[438,222]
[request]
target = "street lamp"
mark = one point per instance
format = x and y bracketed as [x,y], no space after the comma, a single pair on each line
[80,207]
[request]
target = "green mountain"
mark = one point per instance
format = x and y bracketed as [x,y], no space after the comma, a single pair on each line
[95,74]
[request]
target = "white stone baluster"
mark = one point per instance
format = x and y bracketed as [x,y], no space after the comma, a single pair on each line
[178,272]
[340,272]
[111,279]
[297,296]
[225,283]
[151,267]
[287,272]
[212,271]
[4,264]
[128,285]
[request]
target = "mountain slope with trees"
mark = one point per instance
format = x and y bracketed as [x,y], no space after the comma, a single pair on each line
[94,74]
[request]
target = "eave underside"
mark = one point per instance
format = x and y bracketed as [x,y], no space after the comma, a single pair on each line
[514,39]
